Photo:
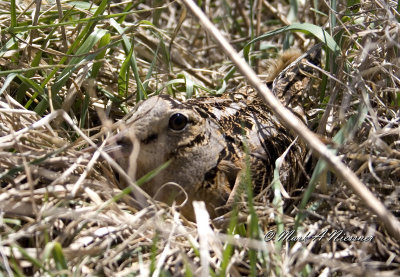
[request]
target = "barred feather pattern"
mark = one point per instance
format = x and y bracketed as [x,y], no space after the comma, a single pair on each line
[205,138]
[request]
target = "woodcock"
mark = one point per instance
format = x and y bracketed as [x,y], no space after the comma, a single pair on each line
[205,139]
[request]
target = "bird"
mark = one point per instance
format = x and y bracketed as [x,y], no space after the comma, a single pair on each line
[210,144]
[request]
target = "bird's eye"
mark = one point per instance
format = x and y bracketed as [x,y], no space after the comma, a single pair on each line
[177,122]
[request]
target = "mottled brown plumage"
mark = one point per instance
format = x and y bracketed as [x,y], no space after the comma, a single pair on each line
[205,140]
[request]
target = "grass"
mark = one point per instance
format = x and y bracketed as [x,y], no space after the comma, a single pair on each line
[62,212]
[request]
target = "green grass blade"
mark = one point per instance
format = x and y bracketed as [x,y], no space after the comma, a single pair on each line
[228,248]
[13,12]
[89,21]
[54,250]
[41,107]
[189,84]
[22,89]
[88,6]
[14,170]
[128,7]
[109,95]
[253,231]
[307,28]
[88,45]
[34,66]
[141,181]
[10,44]
[153,173]
[293,11]
[104,41]
[157,12]
[141,95]
[31,259]
[7,82]
[87,30]
[398,10]
[38,90]
[291,17]
[320,170]
[17,270]
[153,254]
[150,71]
[180,81]
[332,14]
[84,111]
[123,76]
[225,80]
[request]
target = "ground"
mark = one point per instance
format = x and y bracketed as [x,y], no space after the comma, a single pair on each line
[68,76]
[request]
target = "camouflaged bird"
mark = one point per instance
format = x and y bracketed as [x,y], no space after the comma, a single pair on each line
[205,139]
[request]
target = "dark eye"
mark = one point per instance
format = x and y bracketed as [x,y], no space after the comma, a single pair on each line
[177,122]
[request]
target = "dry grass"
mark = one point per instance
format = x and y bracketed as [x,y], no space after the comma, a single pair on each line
[62,212]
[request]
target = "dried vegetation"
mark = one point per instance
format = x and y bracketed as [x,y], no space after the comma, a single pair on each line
[61,210]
